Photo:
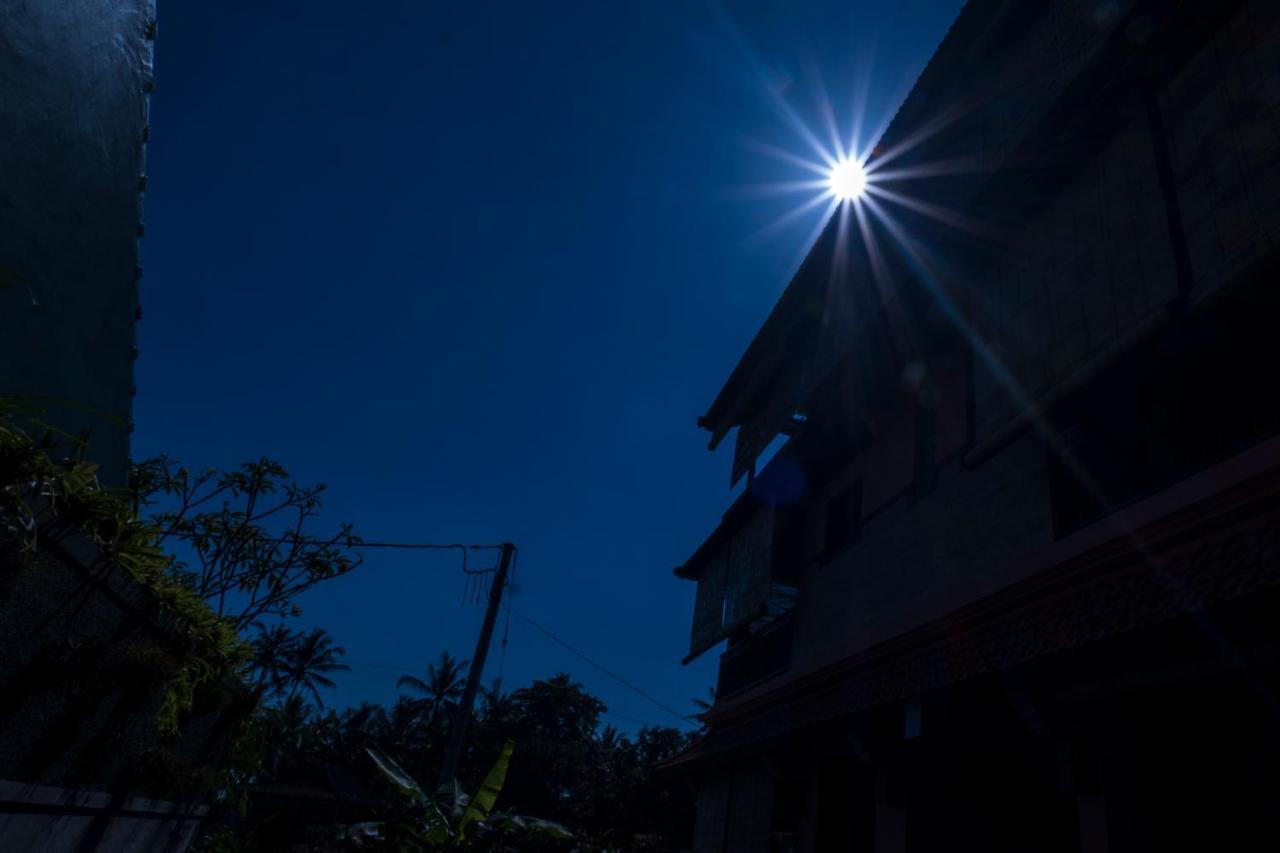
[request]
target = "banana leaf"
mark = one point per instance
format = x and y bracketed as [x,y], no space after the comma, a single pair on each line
[484,799]
[397,775]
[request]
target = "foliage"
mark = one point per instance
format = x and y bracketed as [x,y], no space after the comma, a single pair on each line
[309,662]
[446,679]
[246,530]
[273,651]
[35,487]
[704,707]
[568,768]
[486,796]
[453,820]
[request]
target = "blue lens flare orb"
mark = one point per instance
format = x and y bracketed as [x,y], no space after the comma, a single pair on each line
[847,180]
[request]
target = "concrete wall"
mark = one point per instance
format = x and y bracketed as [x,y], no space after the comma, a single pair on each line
[1081,279]
[74,76]
[1222,112]
[82,675]
[1077,284]
[1087,275]
[81,681]
[1090,273]
[713,812]
[992,95]
[60,820]
[1094,268]
[918,561]
[735,811]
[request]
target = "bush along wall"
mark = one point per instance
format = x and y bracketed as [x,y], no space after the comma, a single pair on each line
[116,674]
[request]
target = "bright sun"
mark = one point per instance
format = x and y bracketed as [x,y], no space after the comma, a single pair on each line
[847,180]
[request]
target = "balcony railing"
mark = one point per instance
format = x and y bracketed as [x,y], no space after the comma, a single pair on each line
[761,656]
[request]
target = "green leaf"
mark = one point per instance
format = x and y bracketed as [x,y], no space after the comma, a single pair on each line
[437,826]
[397,775]
[529,825]
[453,798]
[482,803]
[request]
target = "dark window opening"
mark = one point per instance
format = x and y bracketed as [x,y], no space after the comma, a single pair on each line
[844,519]
[788,541]
[751,659]
[926,451]
[788,813]
[1185,400]
[894,782]
[846,807]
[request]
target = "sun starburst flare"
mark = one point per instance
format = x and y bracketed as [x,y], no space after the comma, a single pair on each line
[847,180]
[863,195]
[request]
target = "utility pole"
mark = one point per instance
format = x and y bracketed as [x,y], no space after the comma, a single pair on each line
[463,718]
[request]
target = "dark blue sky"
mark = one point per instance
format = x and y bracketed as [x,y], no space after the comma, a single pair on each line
[479,267]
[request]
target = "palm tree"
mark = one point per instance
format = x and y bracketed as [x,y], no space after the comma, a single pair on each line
[272,653]
[445,681]
[610,737]
[493,702]
[402,727]
[310,660]
[704,706]
[347,733]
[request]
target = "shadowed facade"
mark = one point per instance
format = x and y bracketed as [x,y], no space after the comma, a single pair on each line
[1005,583]
[76,77]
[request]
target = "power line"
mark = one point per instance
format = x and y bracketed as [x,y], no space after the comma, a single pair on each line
[614,676]
[433,546]
[390,666]
[423,546]
[558,641]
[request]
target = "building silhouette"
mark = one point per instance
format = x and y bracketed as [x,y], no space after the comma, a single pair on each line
[83,641]
[1010,581]
[75,77]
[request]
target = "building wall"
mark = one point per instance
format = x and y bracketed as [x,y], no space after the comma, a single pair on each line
[1222,112]
[1095,269]
[83,675]
[61,820]
[1090,274]
[713,812]
[1087,275]
[735,810]
[918,561]
[1078,283]
[991,98]
[73,119]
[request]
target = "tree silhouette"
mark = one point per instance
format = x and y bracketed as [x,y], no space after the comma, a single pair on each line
[557,708]
[610,737]
[443,685]
[310,661]
[288,729]
[273,651]
[494,704]
[571,768]
[248,531]
[704,707]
